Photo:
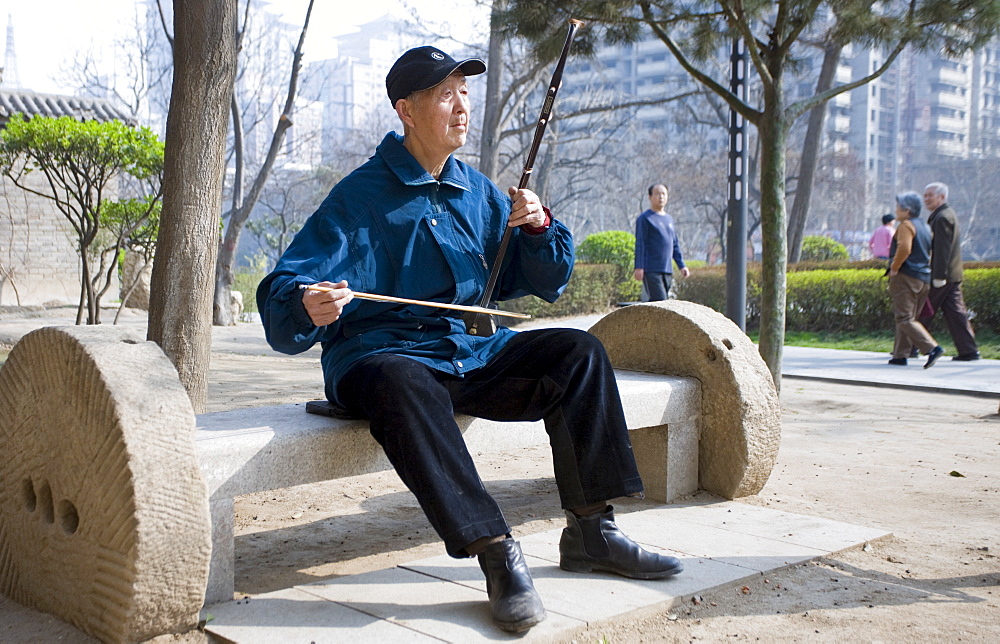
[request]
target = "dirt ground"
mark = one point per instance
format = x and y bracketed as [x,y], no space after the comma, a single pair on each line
[925,466]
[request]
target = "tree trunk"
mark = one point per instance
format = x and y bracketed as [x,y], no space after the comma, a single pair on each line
[810,154]
[773,132]
[222,310]
[221,307]
[182,283]
[84,277]
[489,143]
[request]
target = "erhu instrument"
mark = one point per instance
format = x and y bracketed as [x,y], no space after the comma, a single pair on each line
[483,324]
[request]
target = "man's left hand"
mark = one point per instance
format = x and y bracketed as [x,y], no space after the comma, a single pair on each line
[685,272]
[526,208]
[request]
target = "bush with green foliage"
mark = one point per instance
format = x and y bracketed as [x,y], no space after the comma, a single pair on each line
[817,248]
[838,300]
[615,247]
[981,291]
[591,289]
[246,279]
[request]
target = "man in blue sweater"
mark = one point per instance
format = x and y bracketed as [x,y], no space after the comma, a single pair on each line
[415,222]
[656,247]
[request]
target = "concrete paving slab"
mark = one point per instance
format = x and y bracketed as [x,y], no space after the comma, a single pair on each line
[595,597]
[686,540]
[720,544]
[293,615]
[430,605]
[813,532]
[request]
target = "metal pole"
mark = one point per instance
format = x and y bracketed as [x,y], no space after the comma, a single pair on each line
[736,224]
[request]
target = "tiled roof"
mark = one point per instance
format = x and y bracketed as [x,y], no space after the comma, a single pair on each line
[33,104]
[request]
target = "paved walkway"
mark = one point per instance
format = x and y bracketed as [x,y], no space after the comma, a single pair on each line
[442,599]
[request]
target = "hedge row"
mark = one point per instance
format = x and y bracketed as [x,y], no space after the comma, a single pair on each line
[592,288]
[838,299]
[820,297]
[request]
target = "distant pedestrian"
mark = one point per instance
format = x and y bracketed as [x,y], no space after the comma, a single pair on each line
[909,281]
[946,272]
[657,247]
[881,239]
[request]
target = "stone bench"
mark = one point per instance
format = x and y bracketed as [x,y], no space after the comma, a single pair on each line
[266,448]
[116,501]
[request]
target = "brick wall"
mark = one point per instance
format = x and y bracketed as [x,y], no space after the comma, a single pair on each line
[39,263]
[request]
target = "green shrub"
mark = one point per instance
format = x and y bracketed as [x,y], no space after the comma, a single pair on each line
[844,300]
[610,247]
[838,300]
[981,291]
[705,286]
[615,247]
[246,279]
[591,289]
[817,248]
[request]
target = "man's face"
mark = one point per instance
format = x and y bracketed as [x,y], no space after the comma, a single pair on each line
[441,115]
[658,199]
[932,199]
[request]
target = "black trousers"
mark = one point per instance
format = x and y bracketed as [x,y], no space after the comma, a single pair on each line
[948,299]
[657,285]
[561,376]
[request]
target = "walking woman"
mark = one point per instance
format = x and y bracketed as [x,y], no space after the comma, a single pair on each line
[910,281]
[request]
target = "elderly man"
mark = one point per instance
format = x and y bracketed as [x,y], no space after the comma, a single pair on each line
[416,222]
[946,272]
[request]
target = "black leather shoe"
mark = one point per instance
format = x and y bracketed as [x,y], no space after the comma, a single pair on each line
[967,357]
[514,602]
[933,356]
[595,543]
[898,361]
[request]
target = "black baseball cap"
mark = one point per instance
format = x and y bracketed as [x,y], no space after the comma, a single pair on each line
[424,68]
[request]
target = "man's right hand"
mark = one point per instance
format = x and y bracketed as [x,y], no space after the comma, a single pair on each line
[325,307]
[637,274]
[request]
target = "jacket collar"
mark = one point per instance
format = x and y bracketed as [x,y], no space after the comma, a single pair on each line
[411,173]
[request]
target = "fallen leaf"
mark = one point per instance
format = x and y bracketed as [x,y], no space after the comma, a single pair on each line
[745,590]
[956,473]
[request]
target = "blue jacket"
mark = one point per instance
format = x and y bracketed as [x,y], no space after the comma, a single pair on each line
[656,243]
[390,228]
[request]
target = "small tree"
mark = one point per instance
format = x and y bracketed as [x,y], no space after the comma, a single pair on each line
[81,161]
[134,223]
